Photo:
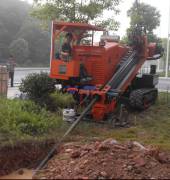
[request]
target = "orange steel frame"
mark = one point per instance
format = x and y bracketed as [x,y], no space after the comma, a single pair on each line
[100,62]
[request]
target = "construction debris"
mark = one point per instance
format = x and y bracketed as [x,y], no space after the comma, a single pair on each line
[108,160]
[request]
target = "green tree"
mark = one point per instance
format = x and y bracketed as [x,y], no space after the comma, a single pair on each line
[145,15]
[76,10]
[20,50]
[12,15]
[38,41]
[16,23]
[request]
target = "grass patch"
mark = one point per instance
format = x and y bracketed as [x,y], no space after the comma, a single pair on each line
[20,120]
[152,127]
[149,127]
[62,100]
[23,120]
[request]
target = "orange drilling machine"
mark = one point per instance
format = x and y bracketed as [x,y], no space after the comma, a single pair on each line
[104,75]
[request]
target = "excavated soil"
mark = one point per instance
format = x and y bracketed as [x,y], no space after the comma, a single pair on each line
[107,160]
[22,155]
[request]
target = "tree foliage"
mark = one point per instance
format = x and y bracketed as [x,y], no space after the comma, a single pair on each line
[12,15]
[75,10]
[19,49]
[38,40]
[145,15]
[20,32]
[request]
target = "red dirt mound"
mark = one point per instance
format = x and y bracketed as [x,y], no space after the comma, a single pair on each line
[108,160]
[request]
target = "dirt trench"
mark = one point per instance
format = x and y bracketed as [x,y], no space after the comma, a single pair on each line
[23,155]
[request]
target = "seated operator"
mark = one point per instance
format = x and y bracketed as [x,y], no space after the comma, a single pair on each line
[66,50]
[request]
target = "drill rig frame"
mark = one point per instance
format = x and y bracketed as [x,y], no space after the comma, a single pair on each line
[110,71]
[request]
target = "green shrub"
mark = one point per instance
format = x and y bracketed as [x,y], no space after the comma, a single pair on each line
[62,100]
[41,89]
[25,118]
[38,87]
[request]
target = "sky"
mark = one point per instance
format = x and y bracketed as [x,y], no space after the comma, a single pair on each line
[161,5]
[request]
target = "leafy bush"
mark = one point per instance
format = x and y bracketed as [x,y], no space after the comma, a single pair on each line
[62,100]
[24,118]
[38,87]
[41,89]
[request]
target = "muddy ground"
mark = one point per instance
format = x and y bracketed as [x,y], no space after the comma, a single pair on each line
[22,155]
[108,159]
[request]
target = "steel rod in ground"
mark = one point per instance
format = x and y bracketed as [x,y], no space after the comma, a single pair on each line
[57,145]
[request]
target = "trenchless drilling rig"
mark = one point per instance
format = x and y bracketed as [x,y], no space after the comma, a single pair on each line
[104,75]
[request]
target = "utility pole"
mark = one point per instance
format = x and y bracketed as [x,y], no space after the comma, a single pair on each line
[167,54]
